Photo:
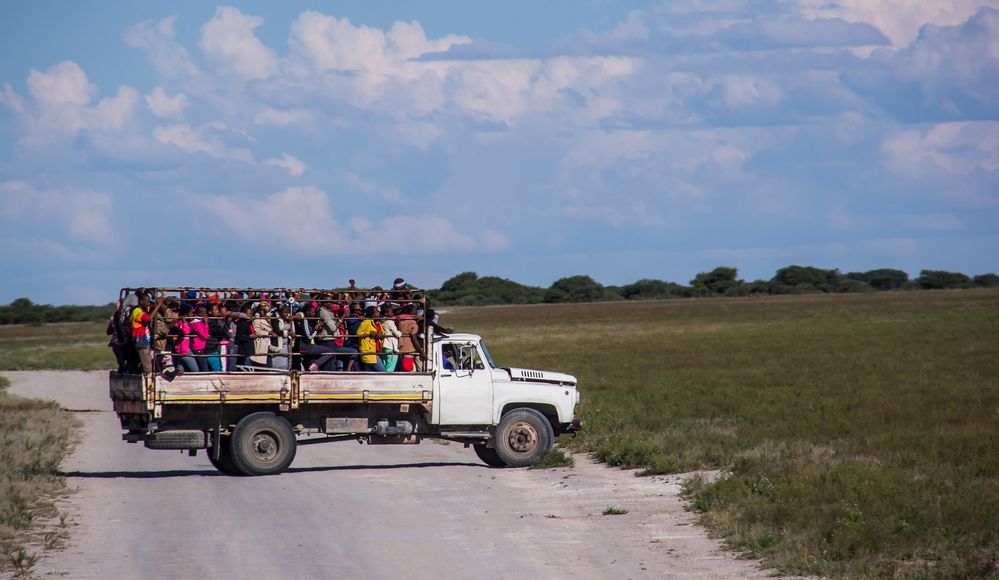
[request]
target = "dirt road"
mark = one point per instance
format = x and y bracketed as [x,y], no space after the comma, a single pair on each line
[350,511]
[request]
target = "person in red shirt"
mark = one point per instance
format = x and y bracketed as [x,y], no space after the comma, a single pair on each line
[140,317]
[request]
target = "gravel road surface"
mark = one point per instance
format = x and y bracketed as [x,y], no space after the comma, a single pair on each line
[351,511]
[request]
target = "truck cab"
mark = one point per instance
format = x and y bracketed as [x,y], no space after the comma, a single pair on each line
[473,390]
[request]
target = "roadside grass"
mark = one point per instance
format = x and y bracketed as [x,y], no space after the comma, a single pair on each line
[70,345]
[613,511]
[858,434]
[554,458]
[34,437]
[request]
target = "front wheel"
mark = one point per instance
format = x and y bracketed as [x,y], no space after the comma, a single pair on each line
[522,437]
[488,456]
[263,444]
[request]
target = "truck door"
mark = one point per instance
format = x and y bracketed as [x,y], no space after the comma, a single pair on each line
[466,385]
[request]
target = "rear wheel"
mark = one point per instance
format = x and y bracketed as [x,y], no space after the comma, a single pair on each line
[522,437]
[488,456]
[263,444]
[224,463]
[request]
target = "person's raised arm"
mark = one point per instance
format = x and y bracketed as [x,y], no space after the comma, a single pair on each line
[159,303]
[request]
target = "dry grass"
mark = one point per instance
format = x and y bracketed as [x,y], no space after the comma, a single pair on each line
[859,433]
[34,437]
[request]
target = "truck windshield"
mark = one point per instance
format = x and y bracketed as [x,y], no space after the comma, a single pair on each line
[489,356]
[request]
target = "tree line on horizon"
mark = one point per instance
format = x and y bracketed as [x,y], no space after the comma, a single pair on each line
[469,289]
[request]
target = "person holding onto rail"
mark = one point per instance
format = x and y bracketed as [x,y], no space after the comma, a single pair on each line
[263,332]
[140,318]
[244,335]
[203,344]
[182,339]
[390,344]
[370,336]
[410,346]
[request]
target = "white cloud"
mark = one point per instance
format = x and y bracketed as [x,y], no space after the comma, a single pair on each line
[156,38]
[115,112]
[387,75]
[899,20]
[63,84]
[317,232]
[11,99]
[166,107]
[59,107]
[228,39]
[200,140]
[292,165]
[331,43]
[956,149]
[84,216]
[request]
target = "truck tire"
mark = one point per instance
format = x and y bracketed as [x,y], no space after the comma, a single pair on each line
[488,456]
[522,437]
[224,463]
[263,444]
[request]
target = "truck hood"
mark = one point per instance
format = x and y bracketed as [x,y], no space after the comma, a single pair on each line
[533,376]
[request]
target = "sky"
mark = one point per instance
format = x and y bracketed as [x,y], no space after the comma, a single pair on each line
[299,144]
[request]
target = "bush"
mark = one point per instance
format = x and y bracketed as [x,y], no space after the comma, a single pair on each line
[941,279]
[986,280]
[883,279]
[576,289]
[647,289]
[467,289]
[719,281]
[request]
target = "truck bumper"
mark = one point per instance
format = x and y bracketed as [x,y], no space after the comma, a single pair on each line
[573,427]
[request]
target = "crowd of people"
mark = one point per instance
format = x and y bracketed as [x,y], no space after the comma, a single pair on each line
[347,330]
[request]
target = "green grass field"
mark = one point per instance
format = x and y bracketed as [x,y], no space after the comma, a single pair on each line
[858,435]
[70,345]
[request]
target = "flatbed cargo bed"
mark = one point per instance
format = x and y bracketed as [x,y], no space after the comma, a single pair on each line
[133,393]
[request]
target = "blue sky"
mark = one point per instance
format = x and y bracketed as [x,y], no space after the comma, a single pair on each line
[304,143]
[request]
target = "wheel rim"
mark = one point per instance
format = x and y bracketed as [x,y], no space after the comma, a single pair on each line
[522,438]
[264,447]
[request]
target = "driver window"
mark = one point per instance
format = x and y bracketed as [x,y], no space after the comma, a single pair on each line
[450,356]
[461,357]
[470,358]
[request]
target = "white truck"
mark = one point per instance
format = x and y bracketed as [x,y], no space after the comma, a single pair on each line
[251,423]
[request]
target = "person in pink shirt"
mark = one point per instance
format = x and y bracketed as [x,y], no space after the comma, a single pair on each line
[200,337]
[182,340]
